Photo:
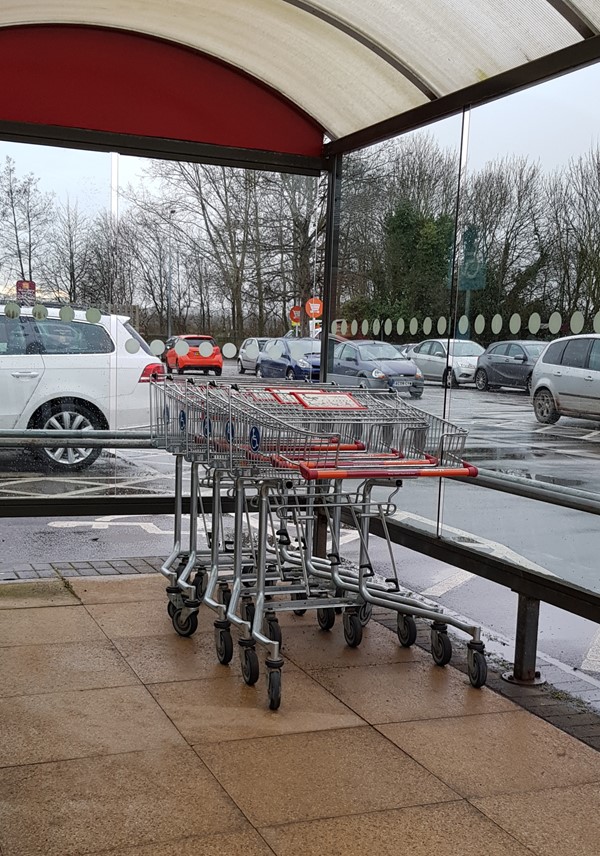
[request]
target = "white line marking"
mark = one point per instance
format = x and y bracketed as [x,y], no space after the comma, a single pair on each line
[446,585]
[592,659]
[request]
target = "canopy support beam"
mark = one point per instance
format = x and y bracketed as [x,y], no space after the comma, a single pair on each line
[332,240]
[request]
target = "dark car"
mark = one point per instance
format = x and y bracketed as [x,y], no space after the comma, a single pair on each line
[294,359]
[508,364]
[375,364]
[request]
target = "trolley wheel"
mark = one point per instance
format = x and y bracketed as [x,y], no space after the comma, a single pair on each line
[187,626]
[200,583]
[326,618]
[477,669]
[441,648]
[406,630]
[247,611]
[364,613]
[250,670]
[171,609]
[299,596]
[224,646]
[352,629]
[226,596]
[274,688]
[274,631]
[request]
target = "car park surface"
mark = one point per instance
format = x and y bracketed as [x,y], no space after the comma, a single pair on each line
[452,362]
[566,379]
[75,375]
[375,364]
[508,363]
[195,352]
[294,359]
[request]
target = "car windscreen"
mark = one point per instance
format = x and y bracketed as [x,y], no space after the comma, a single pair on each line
[261,344]
[300,349]
[378,351]
[466,349]
[196,341]
[135,335]
[534,350]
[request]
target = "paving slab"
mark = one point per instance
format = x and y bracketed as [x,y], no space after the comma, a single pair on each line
[34,669]
[496,753]
[451,829]
[121,801]
[248,842]
[141,618]
[25,595]
[122,590]
[319,774]
[230,710]
[47,625]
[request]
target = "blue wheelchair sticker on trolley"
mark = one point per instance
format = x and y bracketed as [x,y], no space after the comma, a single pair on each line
[206,426]
[166,413]
[182,420]
[229,431]
[254,438]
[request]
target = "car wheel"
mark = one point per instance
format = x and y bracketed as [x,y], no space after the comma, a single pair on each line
[544,407]
[218,372]
[66,415]
[180,370]
[481,380]
[290,374]
[449,379]
[259,372]
[241,368]
[416,395]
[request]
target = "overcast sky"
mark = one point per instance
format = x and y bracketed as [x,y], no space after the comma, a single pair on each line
[551,123]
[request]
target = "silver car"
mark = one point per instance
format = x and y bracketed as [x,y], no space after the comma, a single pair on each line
[452,361]
[248,353]
[566,379]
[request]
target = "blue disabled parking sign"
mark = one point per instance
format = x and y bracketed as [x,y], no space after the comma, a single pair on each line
[182,420]
[254,438]
[206,426]
[229,431]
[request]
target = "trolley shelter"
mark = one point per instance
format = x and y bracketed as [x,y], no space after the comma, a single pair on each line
[291,86]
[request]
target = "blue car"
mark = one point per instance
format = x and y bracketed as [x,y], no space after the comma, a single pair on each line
[375,365]
[293,359]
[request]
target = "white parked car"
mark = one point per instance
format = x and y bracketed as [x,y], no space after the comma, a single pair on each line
[453,366]
[566,379]
[73,375]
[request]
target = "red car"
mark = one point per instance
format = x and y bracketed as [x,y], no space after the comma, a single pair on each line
[193,352]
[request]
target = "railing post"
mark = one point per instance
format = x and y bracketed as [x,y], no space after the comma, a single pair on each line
[524,671]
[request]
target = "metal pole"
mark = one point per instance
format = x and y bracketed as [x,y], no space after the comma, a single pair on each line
[170,273]
[524,671]
[332,237]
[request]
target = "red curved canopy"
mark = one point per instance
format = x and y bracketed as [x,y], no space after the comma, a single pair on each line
[120,82]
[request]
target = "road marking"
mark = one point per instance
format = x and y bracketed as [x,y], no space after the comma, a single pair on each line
[446,585]
[591,662]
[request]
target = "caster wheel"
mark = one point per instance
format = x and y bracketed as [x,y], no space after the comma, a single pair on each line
[187,626]
[326,618]
[406,630]
[248,612]
[225,597]
[250,669]
[274,689]
[441,648]
[299,596]
[352,629]
[200,583]
[364,613]
[224,646]
[477,669]
[171,609]
[274,631]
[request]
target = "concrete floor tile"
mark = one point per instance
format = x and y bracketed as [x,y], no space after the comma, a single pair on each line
[163,659]
[233,711]
[248,842]
[24,595]
[552,822]
[58,726]
[143,618]
[298,777]
[312,648]
[496,753]
[122,590]
[407,691]
[95,804]
[452,829]
[47,626]
[32,669]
